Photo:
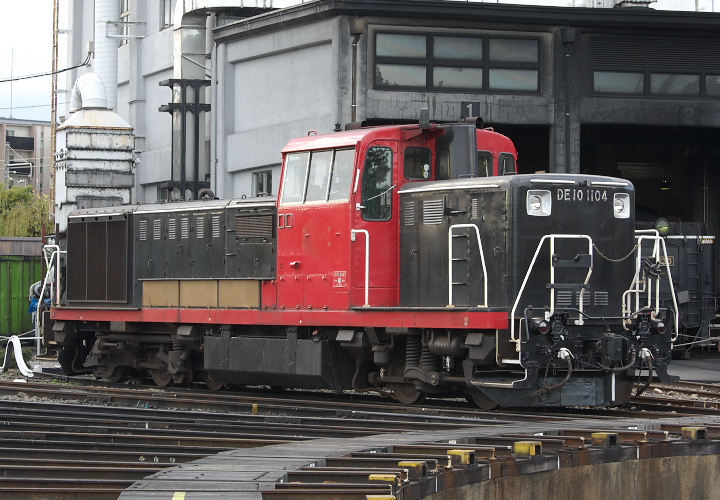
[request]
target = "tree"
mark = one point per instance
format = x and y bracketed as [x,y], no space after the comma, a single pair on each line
[23,213]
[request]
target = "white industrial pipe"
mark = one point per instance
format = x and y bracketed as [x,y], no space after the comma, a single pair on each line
[105,64]
[88,92]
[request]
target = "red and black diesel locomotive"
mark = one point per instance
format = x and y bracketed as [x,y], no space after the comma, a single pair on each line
[410,259]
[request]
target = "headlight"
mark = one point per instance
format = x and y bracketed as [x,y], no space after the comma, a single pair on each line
[535,202]
[621,206]
[539,203]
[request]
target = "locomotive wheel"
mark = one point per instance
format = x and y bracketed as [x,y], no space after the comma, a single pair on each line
[162,378]
[211,383]
[481,400]
[405,393]
[119,375]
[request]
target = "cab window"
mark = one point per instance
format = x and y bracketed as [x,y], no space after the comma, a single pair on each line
[377,184]
[294,182]
[418,163]
[506,164]
[318,176]
[342,173]
[485,163]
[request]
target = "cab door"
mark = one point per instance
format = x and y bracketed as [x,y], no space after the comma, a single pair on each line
[374,234]
[313,229]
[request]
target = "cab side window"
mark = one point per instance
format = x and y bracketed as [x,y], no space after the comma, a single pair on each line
[418,163]
[294,181]
[342,175]
[318,176]
[506,164]
[377,184]
[485,163]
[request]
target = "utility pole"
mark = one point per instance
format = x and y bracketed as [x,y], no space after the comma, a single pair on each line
[53,108]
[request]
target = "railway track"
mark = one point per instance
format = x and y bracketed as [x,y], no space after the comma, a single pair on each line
[93,441]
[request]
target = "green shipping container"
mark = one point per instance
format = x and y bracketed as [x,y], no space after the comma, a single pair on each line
[17,274]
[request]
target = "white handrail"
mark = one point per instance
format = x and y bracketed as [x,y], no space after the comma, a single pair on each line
[659,241]
[552,238]
[50,253]
[482,258]
[353,232]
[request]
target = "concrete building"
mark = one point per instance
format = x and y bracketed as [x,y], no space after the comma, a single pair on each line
[632,92]
[26,159]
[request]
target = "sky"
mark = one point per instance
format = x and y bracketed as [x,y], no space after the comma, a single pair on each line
[26,49]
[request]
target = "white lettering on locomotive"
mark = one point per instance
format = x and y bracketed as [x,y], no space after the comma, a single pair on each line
[590,195]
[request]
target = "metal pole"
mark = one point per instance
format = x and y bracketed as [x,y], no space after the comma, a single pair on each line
[53,106]
[196,187]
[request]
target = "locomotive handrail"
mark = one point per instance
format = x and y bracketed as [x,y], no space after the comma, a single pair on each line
[56,253]
[636,286]
[50,253]
[482,258]
[548,314]
[353,232]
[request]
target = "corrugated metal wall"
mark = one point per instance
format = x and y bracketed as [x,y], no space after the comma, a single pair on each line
[17,273]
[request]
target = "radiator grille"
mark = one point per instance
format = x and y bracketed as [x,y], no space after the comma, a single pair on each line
[254,226]
[97,261]
[172,229]
[474,208]
[433,211]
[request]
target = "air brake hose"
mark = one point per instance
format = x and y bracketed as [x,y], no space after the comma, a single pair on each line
[567,356]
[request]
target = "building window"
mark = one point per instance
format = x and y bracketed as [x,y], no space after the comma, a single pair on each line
[655,67]
[167,13]
[617,82]
[124,21]
[10,133]
[262,183]
[668,84]
[456,63]
[712,85]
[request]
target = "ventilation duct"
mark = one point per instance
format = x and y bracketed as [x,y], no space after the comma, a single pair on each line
[88,92]
[105,64]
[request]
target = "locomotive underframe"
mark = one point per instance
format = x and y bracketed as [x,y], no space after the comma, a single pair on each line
[410,363]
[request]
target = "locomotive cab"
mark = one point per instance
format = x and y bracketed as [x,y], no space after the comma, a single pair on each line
[338,211]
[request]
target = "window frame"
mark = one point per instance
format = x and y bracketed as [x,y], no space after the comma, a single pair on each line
[331,178]
[633,55]
[430,62]
[385,190]
[264,176]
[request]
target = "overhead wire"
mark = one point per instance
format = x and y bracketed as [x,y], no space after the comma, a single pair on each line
[48,73]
